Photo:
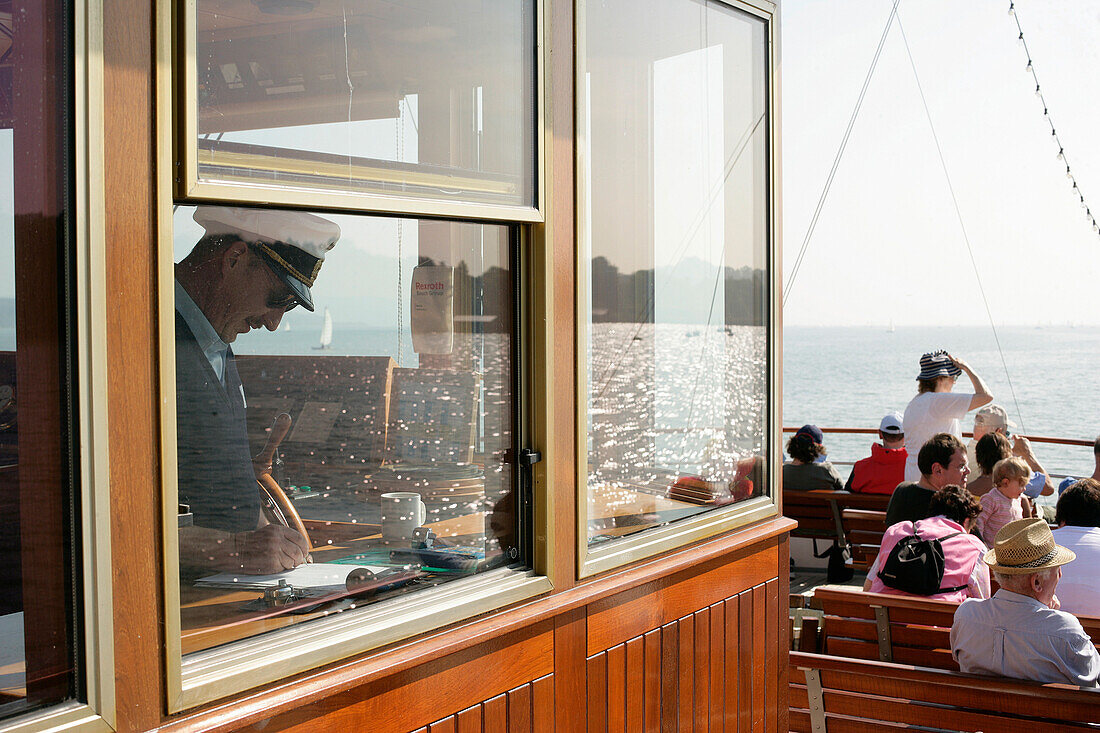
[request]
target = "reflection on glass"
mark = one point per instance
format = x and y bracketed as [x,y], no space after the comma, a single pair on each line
[426,99]
[675,201]
[37,540]
[369,435]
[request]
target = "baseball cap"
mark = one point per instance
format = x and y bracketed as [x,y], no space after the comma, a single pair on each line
[994,416]
[891,424]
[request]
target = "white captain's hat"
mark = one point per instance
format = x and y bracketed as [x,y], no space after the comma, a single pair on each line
[292,243]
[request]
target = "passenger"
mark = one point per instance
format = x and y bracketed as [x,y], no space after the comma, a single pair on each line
[1078,519]
[992,447]
[806,471]
[1005,502]
[942,461]
[1020,632]
[884,469]
[989,419]
[936,409]
[952,510]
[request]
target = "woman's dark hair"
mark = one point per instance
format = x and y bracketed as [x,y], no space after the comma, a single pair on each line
[955,503]
[927,385]
[991,448]
[801,447]
[1079,505]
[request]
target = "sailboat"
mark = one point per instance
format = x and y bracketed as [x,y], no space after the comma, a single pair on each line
[326,332]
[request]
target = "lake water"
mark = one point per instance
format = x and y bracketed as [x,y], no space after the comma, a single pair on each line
[851,377]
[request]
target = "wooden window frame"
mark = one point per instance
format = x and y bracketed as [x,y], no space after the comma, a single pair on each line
[676,535]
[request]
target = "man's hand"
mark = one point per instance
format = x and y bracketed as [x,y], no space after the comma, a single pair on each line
[1021,447]
[269,549]
[1055,603]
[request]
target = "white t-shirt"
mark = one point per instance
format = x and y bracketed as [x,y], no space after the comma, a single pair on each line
[1079,588]
[927,414]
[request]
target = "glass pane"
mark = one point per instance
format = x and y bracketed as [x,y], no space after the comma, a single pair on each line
[674,127]
[421,98]
[37,542]
[395,452]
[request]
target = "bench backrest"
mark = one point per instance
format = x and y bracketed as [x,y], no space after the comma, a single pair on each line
[893,628]
[818,512]
[833,694]
[864,529]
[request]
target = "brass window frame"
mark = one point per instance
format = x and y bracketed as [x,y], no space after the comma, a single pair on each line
[226,670]
[684,532]
[95,615]
[186,153]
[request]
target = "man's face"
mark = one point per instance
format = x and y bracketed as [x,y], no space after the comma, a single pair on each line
[955,472]
[249,295]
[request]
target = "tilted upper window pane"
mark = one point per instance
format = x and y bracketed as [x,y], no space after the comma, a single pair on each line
[421,99]
[675,204]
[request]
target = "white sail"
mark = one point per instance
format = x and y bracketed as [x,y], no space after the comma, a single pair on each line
[326,331]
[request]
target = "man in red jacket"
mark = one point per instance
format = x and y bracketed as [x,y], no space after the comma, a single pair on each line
[884,469]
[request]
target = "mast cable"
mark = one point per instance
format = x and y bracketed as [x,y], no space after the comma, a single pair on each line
[839,154]
[962,225]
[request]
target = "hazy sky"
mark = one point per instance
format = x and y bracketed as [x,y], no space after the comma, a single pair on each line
[888,244]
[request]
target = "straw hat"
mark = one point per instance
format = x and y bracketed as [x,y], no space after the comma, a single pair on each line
[1026,546]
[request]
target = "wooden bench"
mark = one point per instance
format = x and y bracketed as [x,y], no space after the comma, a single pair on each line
[890,628]
[863,529]
[819,513]
[834,695]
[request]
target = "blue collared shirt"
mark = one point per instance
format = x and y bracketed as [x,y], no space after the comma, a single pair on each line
[211,344]
[1013,635]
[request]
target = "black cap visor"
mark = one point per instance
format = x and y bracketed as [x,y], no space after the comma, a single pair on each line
[299,288]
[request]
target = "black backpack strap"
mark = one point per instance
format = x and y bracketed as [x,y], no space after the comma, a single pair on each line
[957,587]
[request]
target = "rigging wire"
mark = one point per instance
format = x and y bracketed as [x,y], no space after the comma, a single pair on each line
[1046,114]
[839,154]
[962,224]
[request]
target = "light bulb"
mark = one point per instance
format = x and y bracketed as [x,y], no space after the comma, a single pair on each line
[1021,38]
[1068,174]
[1038,92]
[1011,9]
[1029,66]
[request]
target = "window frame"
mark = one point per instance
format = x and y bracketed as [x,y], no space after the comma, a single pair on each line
[189,187]
[95,613]
[664,538]
[220,672]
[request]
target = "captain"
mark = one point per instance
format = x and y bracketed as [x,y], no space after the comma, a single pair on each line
[250,267]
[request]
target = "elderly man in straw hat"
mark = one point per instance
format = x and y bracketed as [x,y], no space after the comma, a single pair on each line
[1020,632]
[245,273]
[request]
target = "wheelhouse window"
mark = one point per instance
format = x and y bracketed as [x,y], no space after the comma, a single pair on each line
[342,443]
[673,125]
[40,663]
[425,101]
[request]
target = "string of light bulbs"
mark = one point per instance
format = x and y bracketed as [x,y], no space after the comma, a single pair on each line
[1062,157]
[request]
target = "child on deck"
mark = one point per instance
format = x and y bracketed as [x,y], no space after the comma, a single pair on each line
[1003,503]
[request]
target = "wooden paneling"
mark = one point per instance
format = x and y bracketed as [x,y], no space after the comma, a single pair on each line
[132,342]
[715,669]
[527,708]
[470,680]
[623,616]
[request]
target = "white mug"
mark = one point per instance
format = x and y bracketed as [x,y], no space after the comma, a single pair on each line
[402,512]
